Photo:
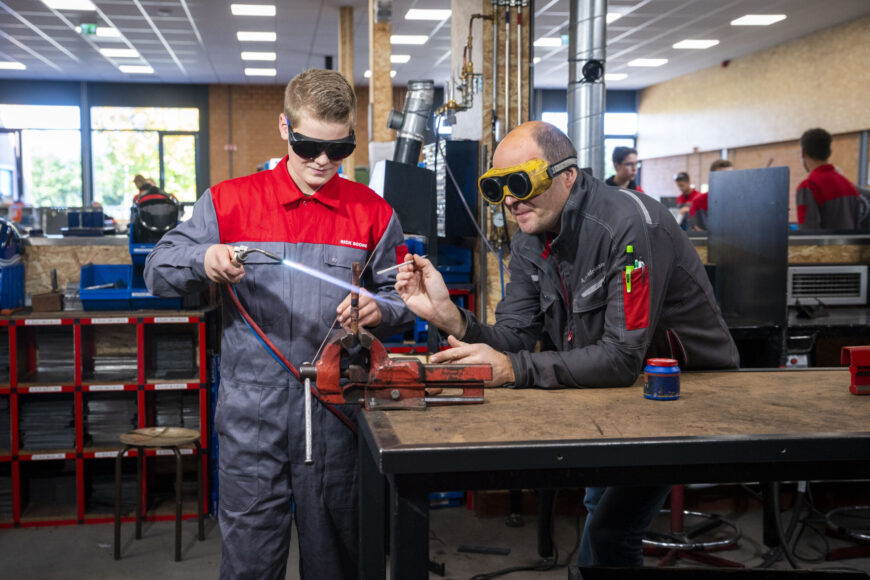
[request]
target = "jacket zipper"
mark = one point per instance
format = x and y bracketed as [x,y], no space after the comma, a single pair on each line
[567,306]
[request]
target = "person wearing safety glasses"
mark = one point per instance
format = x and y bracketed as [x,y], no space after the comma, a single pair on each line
[603,278]
[300,211]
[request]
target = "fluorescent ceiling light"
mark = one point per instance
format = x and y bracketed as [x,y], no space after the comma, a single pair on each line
[418,14]
[119,52]
[257,36]
[11,65]
[400,58]
[252,9]
[549,42]
[648,62]
[615,76]
[368,74]
[536,60]
[108,32]
[259,56]
[758,19]
[408,39]
[136,69]
[696,44]
[613,17]
[260,72]
[70,4]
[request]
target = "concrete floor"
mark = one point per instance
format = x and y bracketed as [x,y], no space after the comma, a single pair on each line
[78,552]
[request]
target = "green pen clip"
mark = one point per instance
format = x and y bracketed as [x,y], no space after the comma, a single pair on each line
[629,268]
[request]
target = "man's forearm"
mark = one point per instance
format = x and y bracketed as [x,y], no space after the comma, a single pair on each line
[451,322]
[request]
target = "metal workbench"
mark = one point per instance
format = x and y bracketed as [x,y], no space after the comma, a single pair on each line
[726,427]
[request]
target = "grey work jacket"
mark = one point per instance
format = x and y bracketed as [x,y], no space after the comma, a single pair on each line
[572,296]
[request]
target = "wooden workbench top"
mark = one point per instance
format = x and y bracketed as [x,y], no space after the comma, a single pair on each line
[736,403]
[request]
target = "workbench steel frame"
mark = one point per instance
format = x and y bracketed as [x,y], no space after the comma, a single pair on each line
[413,470]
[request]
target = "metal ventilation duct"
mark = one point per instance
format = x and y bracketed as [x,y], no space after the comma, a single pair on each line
[586,47]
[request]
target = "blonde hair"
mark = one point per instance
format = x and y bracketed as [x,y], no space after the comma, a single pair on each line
[323,94]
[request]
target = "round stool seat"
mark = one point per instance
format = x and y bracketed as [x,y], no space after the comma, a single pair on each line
[159,437]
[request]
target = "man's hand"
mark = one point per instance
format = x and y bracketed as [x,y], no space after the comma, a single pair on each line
[423,289]
[219,265]
[465,353]
[369,311]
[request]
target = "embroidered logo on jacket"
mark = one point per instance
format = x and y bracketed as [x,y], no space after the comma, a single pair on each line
[353,244]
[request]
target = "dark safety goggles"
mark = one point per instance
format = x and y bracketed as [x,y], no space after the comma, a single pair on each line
[311,148]
[524,181]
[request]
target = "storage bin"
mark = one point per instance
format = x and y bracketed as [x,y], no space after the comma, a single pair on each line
[114,298]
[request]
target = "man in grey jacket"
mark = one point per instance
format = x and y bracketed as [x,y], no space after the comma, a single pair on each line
[597,320]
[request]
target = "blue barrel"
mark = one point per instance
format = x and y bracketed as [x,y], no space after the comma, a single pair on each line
[661,379]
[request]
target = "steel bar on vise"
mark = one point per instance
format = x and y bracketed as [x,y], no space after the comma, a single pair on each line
[309,437]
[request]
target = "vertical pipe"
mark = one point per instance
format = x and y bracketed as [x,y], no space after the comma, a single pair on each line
[519,62]
[495,130]
[507,67]
[587,31]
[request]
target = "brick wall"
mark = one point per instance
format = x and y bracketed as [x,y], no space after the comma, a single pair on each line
[245,116]
[252,113]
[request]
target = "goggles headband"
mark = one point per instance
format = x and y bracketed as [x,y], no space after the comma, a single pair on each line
[523,181]
[311,148]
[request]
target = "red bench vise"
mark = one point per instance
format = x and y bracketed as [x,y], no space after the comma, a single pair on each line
[858,359]
[356,369]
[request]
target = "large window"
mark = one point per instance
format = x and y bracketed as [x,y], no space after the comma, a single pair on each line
[157,143]
[40,155]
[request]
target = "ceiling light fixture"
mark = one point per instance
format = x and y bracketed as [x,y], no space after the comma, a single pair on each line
[758,20]
[695,44]
[108,32]
[615,76]
[70,4]
[136,69]
[257,36]
[419,14]
[549,42]
[648,62]
[400,58]
[368,74]
[259,55]
[613,17]
[11,65]
[252,9]
[260,72]
[536,60]
[119,52]
[408,39]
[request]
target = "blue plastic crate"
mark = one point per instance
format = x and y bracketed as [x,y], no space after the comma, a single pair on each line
[140,297]
[454,263]
[12,286]
[115,298]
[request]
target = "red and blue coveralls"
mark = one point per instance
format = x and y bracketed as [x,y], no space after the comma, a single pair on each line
[259,417]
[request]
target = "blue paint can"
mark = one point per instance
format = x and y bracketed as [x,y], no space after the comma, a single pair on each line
[661,379]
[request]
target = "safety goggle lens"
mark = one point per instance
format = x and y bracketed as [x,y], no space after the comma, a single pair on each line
[519,184]
[312,148]
[491,189]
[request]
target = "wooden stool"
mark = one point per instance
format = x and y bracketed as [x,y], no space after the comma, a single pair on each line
[158,438]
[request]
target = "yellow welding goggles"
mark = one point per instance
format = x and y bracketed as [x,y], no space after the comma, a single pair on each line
[523,181]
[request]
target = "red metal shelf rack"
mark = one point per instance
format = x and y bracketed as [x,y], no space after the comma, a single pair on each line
[24,382]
